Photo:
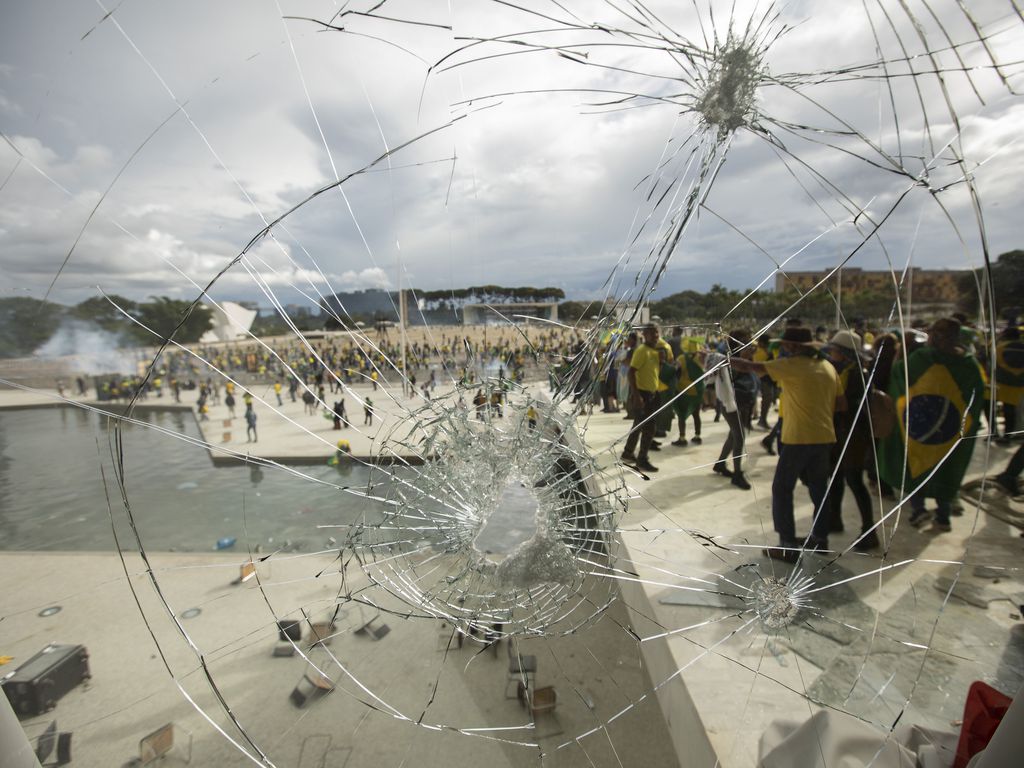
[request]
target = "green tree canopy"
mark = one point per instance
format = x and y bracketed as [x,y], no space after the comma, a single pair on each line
[26,324]
[102,312]
[1006,281]
[163,315]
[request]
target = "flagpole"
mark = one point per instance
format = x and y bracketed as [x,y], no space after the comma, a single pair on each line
[401,328]
[839,298]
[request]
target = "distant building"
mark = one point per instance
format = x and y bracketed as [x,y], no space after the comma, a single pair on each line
[931,286]
[496,314]
[230,321]
[628,312]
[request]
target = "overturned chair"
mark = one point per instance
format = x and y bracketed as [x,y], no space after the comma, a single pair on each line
[313,685]
[373,628]
[541,703]
[50,740]
[160,743]
[521,670]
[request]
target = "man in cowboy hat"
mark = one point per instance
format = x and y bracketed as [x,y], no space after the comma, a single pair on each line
[810,388]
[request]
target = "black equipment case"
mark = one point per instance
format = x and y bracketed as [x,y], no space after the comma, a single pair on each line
[35,686]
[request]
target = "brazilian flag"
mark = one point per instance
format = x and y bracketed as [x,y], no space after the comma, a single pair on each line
[693,393]
[942,406]
[1010,372]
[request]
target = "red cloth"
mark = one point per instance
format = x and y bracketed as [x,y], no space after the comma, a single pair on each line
[983,711]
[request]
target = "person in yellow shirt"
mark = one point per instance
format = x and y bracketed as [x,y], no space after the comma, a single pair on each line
[643,398]
[810,388]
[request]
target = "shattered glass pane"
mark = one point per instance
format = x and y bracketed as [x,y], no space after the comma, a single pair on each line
[426,544]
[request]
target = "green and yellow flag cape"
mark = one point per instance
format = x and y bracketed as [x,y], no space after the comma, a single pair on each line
[935,418]
[693,393]
[1010,372]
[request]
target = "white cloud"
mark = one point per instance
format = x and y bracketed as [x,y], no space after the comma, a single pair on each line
[545,189]
[371,277]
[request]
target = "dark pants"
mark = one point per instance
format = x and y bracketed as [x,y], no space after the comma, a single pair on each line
[943,507]
[643,425]
[1013,469]
[745,406]
[767,398]
[1009,419]
[734,442]
[775,435]
[811,462]
[852,476]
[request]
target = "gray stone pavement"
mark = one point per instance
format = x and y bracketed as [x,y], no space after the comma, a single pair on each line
[883,643]
[876,645]
[397,701]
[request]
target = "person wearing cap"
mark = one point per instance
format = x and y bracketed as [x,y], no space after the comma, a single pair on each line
[810,388]
[853,438]
[643,398]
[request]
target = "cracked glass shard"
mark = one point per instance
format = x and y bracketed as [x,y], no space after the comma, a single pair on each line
[421,493]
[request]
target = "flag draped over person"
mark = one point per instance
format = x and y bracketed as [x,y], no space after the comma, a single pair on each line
[1010,372]
[937,417]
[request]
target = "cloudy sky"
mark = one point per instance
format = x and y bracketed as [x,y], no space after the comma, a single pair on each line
[148,142]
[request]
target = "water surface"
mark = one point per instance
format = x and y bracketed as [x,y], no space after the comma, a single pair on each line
[52,491]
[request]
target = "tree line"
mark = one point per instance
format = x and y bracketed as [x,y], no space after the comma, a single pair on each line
[26,324]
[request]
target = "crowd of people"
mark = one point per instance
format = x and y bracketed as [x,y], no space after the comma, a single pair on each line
[355,359]
[899,410]
[309,369]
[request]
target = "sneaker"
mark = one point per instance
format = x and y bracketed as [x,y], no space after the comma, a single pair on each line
[646,466]
[919,517]
[720,468]
[627,456]
[696,440]
[655,443]
[740,481]
[681,442]
[655,447]
[867,542]
[782,554]
[766,443]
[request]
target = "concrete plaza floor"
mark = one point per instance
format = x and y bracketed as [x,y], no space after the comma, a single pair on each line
[887,635]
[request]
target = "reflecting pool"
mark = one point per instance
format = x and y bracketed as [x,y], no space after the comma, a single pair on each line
[53,498]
